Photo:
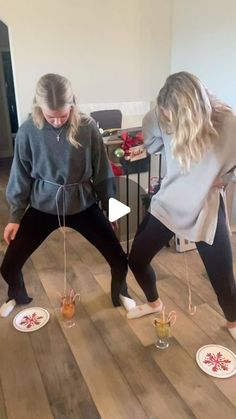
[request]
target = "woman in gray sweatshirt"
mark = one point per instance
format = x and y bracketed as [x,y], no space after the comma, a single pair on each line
[60,171]
[198,135]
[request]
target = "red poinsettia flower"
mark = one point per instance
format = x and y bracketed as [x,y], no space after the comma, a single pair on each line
[131,139]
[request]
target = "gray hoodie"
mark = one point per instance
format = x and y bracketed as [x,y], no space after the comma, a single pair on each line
[44,170]
[187,203]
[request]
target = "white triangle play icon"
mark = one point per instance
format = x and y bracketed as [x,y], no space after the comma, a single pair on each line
[116,209]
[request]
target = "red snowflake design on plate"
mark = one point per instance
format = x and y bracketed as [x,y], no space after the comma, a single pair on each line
[217,362]
[33,320]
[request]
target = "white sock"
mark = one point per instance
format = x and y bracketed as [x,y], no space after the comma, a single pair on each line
[7,308]
[127,302]
[232,331]
[143,310]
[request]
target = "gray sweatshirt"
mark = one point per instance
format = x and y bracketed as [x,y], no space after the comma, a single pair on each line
[187,203]
[41,165]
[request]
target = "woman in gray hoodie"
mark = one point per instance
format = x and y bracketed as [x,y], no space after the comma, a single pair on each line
[197,132]
[59,173]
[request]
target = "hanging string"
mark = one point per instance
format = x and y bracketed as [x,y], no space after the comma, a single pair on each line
[192,309]
[63,225]
[63,230]
[223,195]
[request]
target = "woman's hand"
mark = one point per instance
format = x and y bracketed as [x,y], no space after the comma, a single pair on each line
[223,181]
[220,184]
[10,232]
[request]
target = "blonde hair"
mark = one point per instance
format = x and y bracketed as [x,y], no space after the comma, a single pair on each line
[55,92]
[195,117]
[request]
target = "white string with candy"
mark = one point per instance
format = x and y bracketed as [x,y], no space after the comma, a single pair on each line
[63,225]
[192,309]
[63,229]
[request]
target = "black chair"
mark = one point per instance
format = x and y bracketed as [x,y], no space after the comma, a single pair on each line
[108,119]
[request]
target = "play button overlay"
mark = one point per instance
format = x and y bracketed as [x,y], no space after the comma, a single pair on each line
[117,210]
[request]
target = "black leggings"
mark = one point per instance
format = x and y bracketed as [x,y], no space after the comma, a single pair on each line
[150,238]
[36,226]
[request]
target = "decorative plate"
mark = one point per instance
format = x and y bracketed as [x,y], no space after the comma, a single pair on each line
[31,319]
[216,360]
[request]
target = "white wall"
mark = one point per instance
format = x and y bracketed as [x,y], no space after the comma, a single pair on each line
[111,50]
[203,42]
[120,50]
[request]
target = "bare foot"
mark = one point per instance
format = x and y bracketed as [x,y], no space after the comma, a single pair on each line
[230,325]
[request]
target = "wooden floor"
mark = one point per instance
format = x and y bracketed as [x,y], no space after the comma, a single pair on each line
[106,366]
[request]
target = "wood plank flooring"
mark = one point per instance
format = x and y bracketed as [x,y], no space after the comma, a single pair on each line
[107,366]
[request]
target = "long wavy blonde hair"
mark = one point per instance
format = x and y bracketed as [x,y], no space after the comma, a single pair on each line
[55,92]
[192,115]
